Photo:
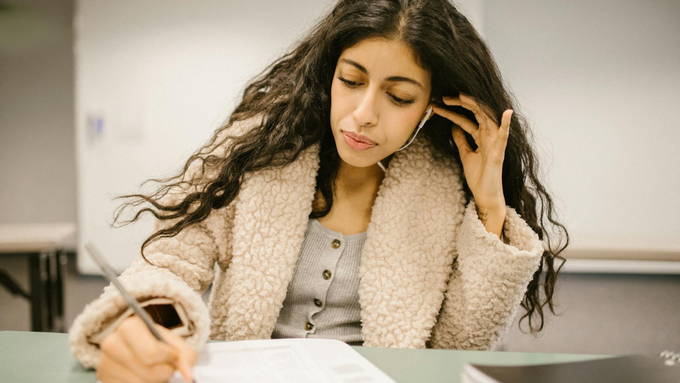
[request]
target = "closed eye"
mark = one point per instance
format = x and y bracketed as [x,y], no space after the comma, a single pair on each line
[395,99]
[351,84]
[401,101]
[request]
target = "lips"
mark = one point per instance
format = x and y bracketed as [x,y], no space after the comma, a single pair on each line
[360,138]
[357,141]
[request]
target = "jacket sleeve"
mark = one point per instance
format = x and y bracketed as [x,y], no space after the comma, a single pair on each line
[487,284]
[180,268]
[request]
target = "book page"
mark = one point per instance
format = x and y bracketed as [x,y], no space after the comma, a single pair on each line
[284,360]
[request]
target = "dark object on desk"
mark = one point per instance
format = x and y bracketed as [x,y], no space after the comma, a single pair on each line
[624,369]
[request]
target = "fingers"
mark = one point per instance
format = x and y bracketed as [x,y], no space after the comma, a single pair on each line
[485,117]
[111,370]
[131,353]
[145,347]
[187,356]
[115,365]
[125,362]
[458,119]
[472,104]
[462,144]
[468,102]
[504,130]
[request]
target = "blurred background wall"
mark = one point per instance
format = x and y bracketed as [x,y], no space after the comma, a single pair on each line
[37,137]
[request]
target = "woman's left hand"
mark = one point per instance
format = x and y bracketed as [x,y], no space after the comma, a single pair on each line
[483,167]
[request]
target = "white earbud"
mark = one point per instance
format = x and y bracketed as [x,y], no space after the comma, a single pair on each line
[420,126]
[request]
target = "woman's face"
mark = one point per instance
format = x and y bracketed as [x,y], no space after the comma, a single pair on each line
[379,95]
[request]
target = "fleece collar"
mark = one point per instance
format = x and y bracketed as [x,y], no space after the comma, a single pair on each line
[406,260]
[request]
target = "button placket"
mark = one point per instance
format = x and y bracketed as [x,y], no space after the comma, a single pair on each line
[337,245]
[327,263]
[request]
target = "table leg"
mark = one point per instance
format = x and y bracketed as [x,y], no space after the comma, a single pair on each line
[47,291]
[62,261]
[38,278]
[51,289]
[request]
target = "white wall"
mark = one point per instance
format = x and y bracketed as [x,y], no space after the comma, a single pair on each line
[474,10]
[37,160]
[600,83]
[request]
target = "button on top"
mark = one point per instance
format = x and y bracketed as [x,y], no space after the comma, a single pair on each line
[318,303]
[326,274]
[336,243]
[309,326]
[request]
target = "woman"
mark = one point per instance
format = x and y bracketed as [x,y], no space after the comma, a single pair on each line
[331,214]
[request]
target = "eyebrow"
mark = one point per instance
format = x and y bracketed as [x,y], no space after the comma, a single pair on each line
[393,78]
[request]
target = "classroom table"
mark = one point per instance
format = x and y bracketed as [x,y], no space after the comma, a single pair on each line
[32,357]
[44,246]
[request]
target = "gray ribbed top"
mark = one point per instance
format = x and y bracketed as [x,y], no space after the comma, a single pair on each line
[323,297]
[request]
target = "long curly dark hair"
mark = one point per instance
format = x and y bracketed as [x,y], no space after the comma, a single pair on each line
[290,103]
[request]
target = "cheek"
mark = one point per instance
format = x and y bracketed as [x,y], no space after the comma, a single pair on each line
[340,96]
[336,104]
[400,127]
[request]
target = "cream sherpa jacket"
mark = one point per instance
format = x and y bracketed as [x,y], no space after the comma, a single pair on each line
[430,274]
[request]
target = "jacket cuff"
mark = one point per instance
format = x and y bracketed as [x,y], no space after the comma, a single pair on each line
[181,326]
[142,281]
[518,255]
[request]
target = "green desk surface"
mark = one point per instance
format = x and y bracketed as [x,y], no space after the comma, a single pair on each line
[32,357]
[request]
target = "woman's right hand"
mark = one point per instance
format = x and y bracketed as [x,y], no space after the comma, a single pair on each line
[132,354]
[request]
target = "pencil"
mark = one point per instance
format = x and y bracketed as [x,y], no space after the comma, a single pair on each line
[110,274]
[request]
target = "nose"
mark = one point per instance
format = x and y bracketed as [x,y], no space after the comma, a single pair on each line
[366,113]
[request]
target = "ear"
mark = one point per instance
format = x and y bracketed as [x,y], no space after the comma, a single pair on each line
[431,113]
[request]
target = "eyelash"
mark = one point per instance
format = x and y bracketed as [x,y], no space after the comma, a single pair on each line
[397,100]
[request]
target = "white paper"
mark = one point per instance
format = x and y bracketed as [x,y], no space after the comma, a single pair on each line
[284,360]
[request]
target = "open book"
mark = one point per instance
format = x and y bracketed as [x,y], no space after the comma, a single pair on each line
[284,360]
[623,369]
